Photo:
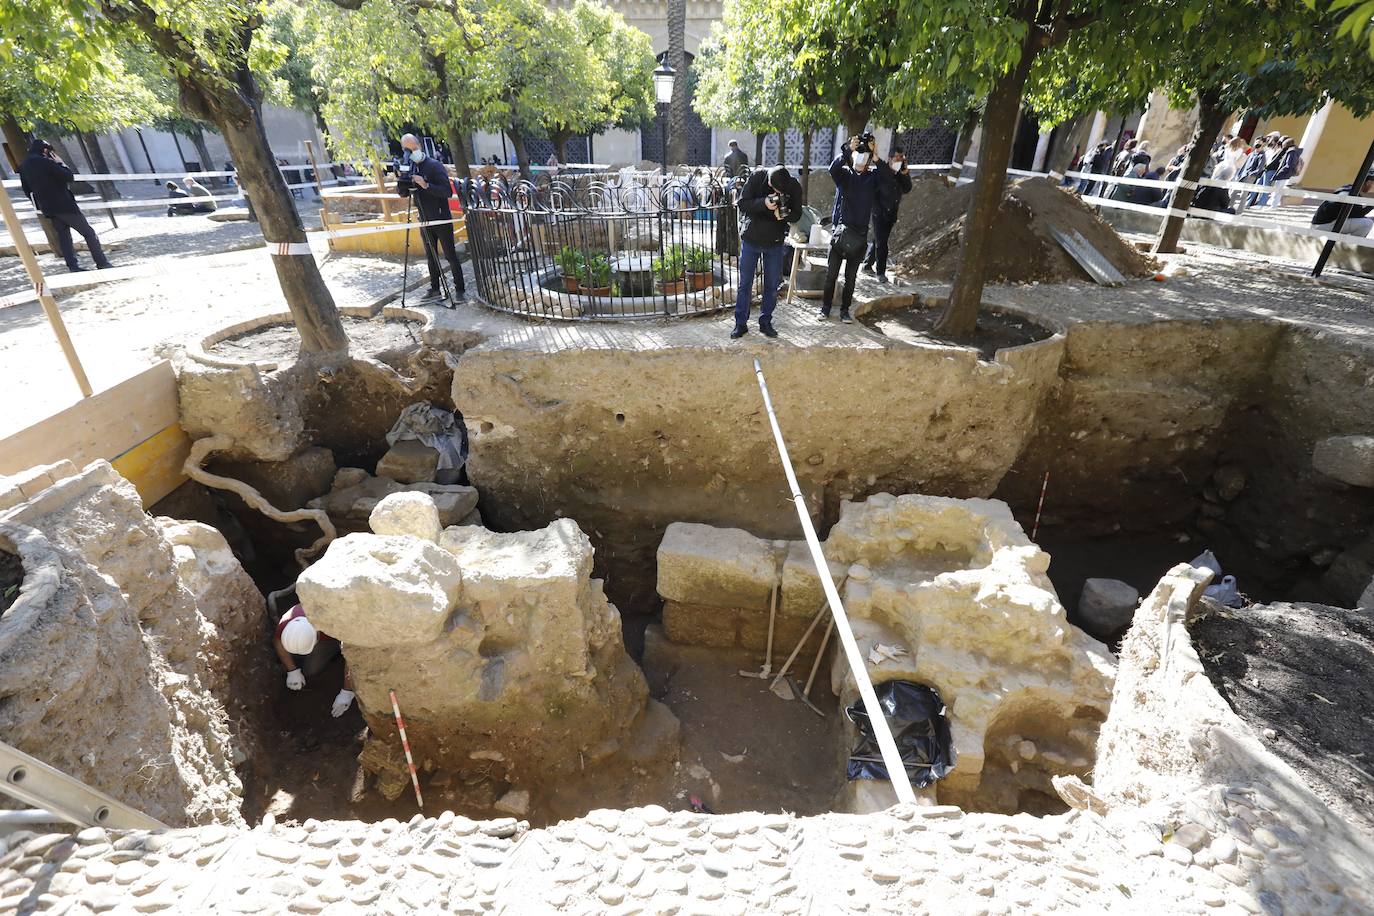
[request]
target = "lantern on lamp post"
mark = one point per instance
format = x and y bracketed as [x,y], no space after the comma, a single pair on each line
[663,94]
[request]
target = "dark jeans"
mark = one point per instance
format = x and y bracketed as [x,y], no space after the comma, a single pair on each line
[773,257]
[442,236]
[877,249]
[847,248]
[64,223]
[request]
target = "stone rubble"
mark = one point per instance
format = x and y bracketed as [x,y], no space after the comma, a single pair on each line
[1106,606]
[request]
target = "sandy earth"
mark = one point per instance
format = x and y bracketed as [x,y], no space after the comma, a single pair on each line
[1302,675]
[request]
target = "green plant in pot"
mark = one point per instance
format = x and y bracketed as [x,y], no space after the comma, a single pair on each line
[596,275]
[668,270]
[572,265]
[698,262]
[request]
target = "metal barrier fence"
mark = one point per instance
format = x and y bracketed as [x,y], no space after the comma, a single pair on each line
[608,245]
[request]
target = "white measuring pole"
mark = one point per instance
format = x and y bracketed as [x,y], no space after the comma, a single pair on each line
[892,759]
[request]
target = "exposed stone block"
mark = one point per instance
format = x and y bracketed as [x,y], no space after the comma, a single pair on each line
[288,484]
[753,634]
[721,567]
[372,590]
[409,461]
[1106,606]
[407,513]
[701,625]
[801,587]
[1349,459]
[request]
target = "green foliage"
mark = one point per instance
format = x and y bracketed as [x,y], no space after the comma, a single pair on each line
[669,266]
[570,261]
[626,57]
[1357,20]
[597,271]
[699,259]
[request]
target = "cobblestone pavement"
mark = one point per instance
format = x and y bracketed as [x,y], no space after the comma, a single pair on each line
[1233,859]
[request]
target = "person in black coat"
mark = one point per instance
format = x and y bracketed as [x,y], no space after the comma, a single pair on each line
[428,187]
[736,161]
[857,180]
[896,183]
[47,180]
[769,200]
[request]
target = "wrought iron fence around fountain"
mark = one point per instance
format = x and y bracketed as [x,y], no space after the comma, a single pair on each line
[628,244]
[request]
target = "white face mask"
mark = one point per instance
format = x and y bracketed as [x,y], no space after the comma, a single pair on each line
[896,164]
[417,155]
[860,161]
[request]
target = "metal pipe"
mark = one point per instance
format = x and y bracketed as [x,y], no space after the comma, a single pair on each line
[29,816]
[892,758]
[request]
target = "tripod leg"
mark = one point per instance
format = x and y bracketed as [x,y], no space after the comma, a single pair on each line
[405,261]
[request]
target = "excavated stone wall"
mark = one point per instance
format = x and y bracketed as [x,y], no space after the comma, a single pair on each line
[131,658]
[944,592]
[1213,835]
[503,651]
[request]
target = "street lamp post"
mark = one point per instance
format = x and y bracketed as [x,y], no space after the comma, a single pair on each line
[663,94]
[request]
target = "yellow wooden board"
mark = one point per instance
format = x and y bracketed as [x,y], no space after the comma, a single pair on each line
[154,467]
[105,425]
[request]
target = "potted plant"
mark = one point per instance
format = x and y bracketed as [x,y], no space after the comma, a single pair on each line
[596,276]
[698,262]
[668,269]
[570,262]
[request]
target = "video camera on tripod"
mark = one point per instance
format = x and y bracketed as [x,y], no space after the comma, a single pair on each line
[404,169]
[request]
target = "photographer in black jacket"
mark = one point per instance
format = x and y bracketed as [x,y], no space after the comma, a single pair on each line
[47,180]
[857,180]
[896,182]
[769,200]
[425,181]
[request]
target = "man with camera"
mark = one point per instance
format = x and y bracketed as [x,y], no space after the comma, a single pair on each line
[857,181]
[47,180]
[895,182]
[769,200]
[425,181]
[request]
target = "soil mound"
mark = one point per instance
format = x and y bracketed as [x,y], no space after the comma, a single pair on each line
[925,241]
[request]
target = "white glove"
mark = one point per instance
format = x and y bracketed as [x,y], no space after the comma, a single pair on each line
[295,679]
[341,703]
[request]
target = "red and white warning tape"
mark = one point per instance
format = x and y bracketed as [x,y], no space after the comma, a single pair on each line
[405,744]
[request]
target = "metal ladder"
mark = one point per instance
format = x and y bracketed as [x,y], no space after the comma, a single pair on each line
[59,797]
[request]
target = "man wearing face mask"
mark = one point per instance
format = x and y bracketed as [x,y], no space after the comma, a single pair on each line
[769,200]
[428,187]
[896,181]
[856,191]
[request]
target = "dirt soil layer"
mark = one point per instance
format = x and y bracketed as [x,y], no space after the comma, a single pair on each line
[283,342]
[1302,675]
[916,324]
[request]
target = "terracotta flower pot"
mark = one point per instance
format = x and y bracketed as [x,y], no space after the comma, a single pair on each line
[596,290]
[571,284]
[670,287]
[699,279]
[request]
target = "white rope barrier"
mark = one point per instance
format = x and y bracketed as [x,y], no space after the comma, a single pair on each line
[892,758]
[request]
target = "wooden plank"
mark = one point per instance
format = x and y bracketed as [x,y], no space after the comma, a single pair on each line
[154,467]
[105,425]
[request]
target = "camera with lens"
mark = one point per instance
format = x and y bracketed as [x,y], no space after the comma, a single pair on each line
[404,170]
[867,143]
[779,202]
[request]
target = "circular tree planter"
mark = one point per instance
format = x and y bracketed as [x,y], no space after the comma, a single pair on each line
[208,351]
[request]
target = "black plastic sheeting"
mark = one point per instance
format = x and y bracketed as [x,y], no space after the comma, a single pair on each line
[915,713]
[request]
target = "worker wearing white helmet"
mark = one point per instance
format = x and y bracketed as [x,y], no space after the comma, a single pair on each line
[303,651]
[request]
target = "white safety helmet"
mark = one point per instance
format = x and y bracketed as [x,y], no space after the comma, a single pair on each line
[299,637]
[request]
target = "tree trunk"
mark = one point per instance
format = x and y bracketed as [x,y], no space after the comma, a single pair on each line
[517,140]
[854,116]
[560,143]
[1211,118]
[1073,144]
[17,139]
[965,138]
[458,143]
[960,318]
[197,136]
[782,147]
[96,156]
[676,154]
[758,148]
[232,107]
[806,164]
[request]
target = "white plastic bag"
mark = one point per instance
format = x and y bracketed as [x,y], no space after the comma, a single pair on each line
[1207,560]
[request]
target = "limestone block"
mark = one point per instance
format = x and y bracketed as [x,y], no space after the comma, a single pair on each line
[1349,459]
[1106,607]
[406,513]
[1366,599]
[721,567]
[376,591]
[409,461]
[701,625]
[801,587]
[787,631]
[356,493]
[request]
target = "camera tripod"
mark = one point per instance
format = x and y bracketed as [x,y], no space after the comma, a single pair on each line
[430,256]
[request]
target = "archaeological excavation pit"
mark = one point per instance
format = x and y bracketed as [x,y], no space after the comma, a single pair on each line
[569,616]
